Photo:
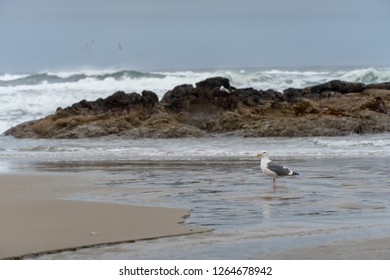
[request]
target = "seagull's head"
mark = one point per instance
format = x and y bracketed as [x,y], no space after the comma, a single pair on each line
[263,154]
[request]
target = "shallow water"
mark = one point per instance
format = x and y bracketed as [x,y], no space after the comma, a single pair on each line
[332,199]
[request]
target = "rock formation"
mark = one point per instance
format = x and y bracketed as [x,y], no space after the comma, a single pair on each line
[213,107]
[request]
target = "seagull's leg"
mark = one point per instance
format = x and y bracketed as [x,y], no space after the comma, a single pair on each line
[273,182]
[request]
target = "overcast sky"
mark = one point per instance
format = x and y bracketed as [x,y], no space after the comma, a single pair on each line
[38,35]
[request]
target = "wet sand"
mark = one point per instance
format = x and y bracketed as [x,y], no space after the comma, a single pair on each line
[33,221]
[357,249]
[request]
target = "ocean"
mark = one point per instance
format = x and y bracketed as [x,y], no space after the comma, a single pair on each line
[342,191]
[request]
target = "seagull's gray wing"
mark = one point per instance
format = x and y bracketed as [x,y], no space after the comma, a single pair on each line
[279,169]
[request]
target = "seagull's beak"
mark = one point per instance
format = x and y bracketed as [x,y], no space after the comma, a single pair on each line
[259,155]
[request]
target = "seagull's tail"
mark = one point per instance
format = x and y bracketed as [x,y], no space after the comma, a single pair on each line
[295,173]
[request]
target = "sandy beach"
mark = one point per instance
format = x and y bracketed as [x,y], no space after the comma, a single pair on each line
[33,221]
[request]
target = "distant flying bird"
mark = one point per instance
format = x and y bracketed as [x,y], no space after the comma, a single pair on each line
[120,46]
[272,169]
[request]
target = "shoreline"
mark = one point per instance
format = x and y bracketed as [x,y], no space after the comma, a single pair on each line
[31,225]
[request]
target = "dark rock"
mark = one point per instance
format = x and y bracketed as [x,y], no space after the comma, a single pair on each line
[149,98]
[119,101]
[326,90]
[385,86]
[292,94]
[173,99]
[213,106]
[338,86]
[186,98]
[215,82]
[252,97]
[209,99]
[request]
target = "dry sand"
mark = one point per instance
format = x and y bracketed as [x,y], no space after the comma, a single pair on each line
[33,221]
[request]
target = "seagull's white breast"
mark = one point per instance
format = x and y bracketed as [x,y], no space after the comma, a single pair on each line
[263,165]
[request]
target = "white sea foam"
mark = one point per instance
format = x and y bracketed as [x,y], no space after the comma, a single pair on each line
[367,75]
[10,77]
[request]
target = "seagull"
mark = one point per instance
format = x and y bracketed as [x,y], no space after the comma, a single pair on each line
[272,169]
